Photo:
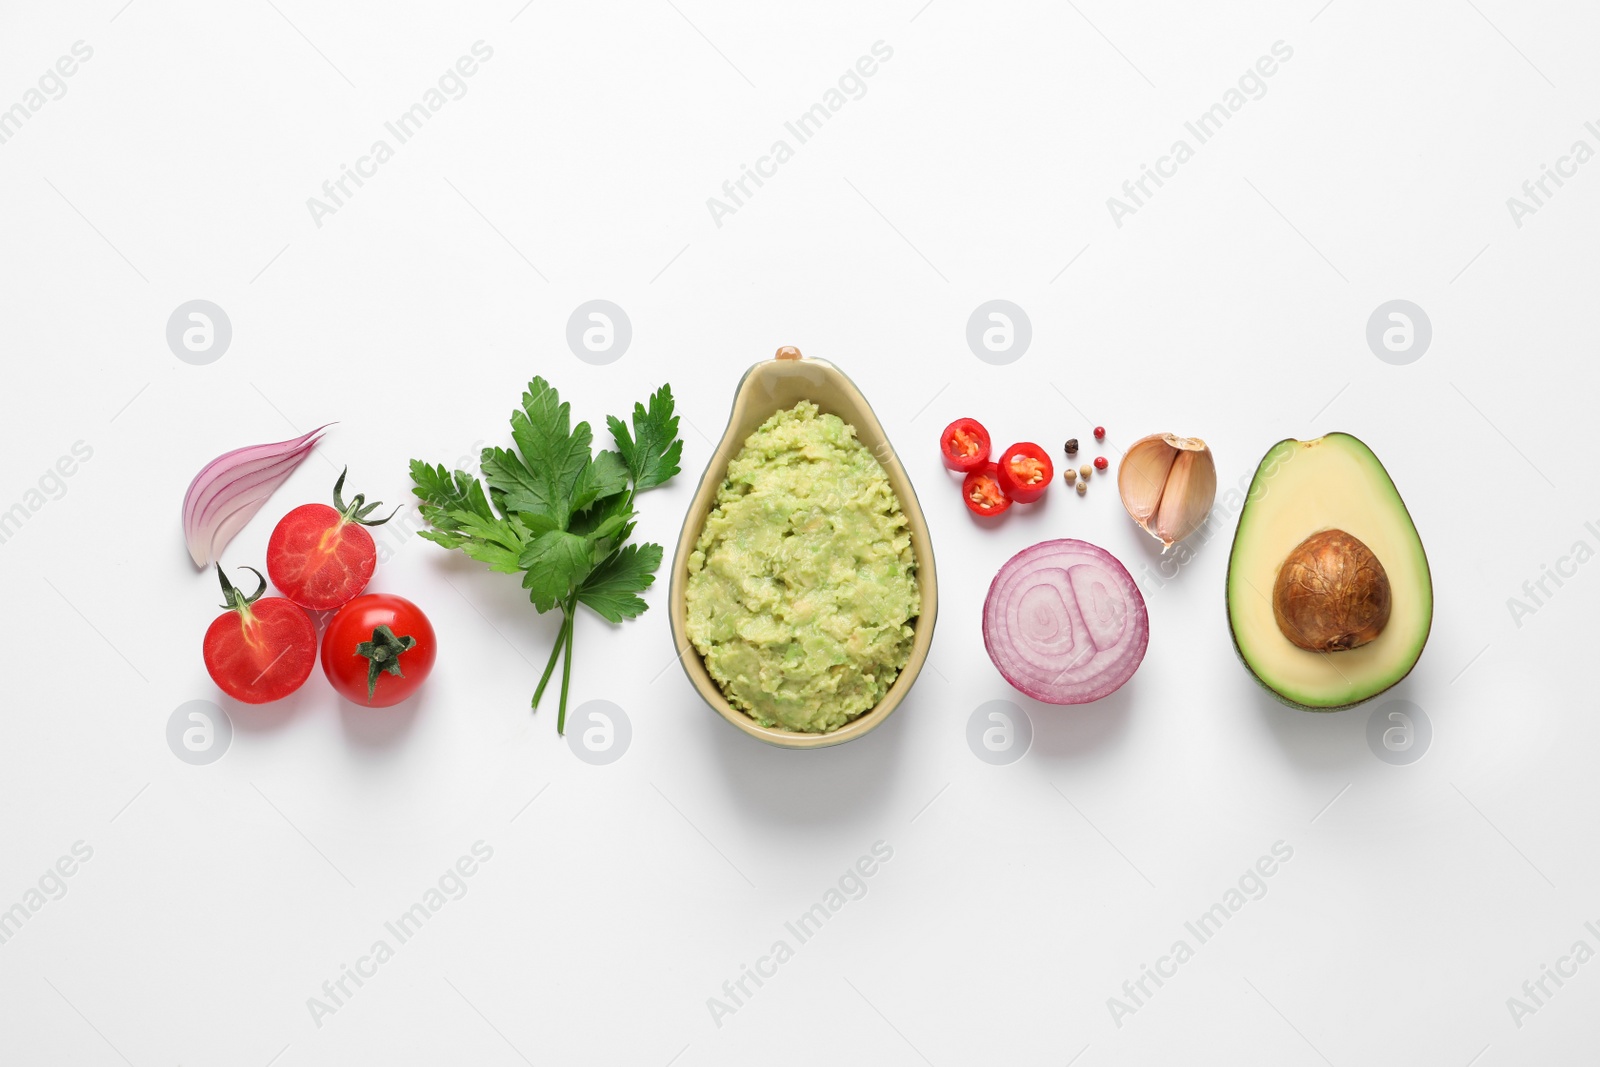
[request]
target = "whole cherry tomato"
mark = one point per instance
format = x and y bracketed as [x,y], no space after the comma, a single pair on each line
[378,650]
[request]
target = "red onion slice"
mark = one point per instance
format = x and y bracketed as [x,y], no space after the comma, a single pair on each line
[1065,623]
[231,488]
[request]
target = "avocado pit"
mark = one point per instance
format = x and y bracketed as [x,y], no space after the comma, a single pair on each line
[1331,593]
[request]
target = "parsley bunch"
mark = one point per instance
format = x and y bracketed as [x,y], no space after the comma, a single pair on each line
[557,514]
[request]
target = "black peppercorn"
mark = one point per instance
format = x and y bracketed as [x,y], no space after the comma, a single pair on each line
[1072,446]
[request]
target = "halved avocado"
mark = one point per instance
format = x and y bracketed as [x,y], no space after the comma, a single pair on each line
[1303,488]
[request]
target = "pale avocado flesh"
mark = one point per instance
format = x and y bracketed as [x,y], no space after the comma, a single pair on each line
[1301,488]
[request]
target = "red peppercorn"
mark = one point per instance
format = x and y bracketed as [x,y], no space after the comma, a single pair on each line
[1100,463]
[1099,433]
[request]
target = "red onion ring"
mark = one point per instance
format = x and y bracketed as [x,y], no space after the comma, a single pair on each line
[1064,622]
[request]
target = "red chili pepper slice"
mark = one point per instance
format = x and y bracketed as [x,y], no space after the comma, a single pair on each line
[982,492]
[964,445]
[1025,472]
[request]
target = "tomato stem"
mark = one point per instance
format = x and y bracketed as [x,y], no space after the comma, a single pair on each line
[383,655]
[358,509]
[234,600]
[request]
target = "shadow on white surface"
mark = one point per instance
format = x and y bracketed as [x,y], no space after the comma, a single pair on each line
[262,718]
[1311,739]
[499,601]
[813,787]
[379,728]
[1065,733]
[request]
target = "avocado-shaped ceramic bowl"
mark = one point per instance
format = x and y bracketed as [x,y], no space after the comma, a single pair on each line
[768,387]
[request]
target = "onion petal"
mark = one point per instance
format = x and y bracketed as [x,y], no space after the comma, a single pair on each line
[1064,622]
[230,489]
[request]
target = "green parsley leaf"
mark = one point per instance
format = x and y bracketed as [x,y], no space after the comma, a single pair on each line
[554,457]
[498,542]
[607,520]
[556,562]
[653,450]
[557,514]
[610,589]
[442,492]
[606,476]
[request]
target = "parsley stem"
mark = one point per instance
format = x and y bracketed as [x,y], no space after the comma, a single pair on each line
[566,666]
[555,654]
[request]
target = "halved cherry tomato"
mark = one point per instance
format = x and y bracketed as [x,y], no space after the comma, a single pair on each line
[1025,472]
[321,557]
[262,648]
[982,492]
[964,445]
[378,650]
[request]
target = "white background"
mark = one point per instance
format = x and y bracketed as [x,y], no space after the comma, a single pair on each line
[577,166]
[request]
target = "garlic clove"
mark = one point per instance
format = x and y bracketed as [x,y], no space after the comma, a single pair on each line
[1168,484]
[1142,475]
[1191,489]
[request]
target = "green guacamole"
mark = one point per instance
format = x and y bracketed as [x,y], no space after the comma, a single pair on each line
[803,584]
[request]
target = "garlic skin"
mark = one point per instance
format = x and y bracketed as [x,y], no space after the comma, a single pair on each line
[1168,484]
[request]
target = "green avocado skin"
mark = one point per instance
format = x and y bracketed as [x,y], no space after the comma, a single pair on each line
[1233,637]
